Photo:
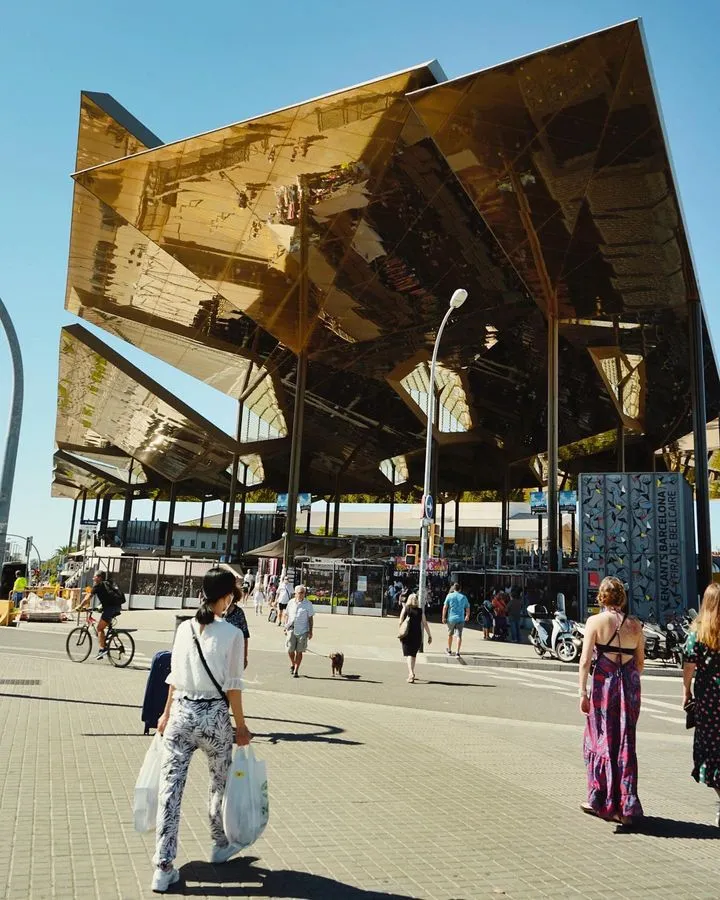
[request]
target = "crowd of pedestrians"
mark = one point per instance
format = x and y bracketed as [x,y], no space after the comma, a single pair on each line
[210,654]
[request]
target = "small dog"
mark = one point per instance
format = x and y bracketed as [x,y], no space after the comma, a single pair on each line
[336,661]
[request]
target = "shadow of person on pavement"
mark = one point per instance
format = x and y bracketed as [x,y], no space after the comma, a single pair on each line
[656,826]
[328,734]
[455,683]
[242,877]
[354,678]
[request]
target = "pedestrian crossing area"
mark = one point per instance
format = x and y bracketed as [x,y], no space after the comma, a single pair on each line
[659,701]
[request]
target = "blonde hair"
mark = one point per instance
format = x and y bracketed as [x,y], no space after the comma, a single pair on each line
[612,593]
[707,623]
[412,600]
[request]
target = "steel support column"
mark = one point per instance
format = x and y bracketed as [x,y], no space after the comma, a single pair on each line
[702,485]
[327,516]
[241,527]
[234,478]
[620,439]
[391,522]
[171,519]
[336,511]
[552,439]
[457,518]
[104,517]
[72,527]
[202,514]
[300,382]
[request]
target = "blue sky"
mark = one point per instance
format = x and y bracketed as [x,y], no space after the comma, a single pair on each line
[183,68]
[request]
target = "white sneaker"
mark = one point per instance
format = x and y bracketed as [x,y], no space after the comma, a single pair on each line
[102,654]
[162,880]
[717,813]
[222,854]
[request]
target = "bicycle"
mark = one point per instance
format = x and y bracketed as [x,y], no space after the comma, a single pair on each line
[119,642]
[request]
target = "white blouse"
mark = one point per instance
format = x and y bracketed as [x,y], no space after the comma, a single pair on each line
[223,647]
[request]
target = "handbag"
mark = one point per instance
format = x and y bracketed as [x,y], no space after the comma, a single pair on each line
[689,708]
[404,628]
[207,668]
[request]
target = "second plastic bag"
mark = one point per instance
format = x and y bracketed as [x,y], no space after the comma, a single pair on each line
[246,805]
[147,788]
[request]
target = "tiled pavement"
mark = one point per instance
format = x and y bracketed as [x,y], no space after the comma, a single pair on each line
[367,801]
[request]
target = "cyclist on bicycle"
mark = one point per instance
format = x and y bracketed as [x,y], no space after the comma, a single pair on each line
[110,598]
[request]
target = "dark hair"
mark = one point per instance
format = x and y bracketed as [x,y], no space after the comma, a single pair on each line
[217,583]
[456,586]
[18,573]
[101,575]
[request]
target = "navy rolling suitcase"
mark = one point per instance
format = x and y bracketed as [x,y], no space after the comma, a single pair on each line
[156,689]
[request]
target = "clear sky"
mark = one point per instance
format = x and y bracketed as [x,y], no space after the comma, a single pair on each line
[183,68]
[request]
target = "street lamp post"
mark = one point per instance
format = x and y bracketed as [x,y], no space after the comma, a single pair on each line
[456,301]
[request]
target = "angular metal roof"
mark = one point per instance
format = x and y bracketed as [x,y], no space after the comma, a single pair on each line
[543,183]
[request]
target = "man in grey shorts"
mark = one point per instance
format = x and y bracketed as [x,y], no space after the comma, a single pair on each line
[298,628]
[456,612]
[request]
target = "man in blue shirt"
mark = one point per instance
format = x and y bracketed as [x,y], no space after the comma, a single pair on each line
[456,612]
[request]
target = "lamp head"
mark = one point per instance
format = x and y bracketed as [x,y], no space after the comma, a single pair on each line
[458,298]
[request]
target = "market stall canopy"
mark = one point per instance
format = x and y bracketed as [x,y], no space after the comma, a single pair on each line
[542,183]
[306,547]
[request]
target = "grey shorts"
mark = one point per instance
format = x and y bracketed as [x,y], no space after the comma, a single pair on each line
[455,628]
[296,643]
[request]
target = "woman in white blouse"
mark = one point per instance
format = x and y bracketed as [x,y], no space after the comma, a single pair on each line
[205,678]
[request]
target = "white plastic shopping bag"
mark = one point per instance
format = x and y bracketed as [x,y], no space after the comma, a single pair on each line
[246,806]
[147,788]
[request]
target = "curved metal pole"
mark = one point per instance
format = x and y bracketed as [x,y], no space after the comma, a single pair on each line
[13,434]
[430,415]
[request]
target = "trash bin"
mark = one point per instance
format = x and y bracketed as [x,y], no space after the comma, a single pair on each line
[180,618]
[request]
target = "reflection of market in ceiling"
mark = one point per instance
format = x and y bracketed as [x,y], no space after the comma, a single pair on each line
[541,182]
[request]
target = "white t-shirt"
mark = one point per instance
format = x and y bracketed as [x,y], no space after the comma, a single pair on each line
[259,597]
[284,595]
[299,615]
[223,647]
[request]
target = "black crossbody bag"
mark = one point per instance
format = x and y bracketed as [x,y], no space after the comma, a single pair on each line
[207,668]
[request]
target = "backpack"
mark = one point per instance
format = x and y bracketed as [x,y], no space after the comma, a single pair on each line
[114,594]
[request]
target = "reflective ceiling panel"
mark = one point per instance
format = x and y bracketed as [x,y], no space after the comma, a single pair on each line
[104,400]
[563,154]
[226,204]
[540,182]
[125,284]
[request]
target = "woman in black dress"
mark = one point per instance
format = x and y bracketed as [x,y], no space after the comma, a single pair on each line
[235,615]
[412,639]
[702,659]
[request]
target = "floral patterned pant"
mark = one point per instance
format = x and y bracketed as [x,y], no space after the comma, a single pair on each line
[192,725]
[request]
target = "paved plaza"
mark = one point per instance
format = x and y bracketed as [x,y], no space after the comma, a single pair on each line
[464,785]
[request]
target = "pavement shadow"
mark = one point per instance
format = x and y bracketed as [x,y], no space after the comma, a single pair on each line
[68,700]
[242,877]
[326,734]
[354,678]
[455,683]
[656,826]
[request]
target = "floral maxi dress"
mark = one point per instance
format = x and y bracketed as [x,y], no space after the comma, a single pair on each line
[609,743]
[706,744]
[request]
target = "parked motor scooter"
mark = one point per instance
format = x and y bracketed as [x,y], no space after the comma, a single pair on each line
[666,644]
[553,634]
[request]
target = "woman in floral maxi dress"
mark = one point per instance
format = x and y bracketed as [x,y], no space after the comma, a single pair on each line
[613,706]
[702,659]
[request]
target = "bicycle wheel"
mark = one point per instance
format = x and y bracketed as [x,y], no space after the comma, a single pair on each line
[79,644]
[121,648]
